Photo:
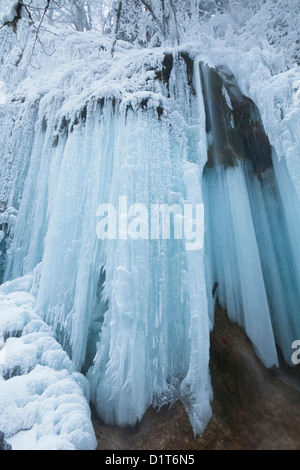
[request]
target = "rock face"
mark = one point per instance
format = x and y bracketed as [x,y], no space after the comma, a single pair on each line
[3,444]
[253,408]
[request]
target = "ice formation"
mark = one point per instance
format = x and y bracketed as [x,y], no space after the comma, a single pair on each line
[135,315]
[251,235]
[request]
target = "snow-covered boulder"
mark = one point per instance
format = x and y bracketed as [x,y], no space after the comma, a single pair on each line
[43,400]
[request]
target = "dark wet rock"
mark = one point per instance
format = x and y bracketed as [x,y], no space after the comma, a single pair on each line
[165,73]
[253,408]
[3,444]
[234,124]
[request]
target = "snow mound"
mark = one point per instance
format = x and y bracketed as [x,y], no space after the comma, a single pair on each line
[43,401]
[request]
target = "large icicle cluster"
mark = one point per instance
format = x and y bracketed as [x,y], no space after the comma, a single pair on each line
[253,260]
[131,313]
[141,295]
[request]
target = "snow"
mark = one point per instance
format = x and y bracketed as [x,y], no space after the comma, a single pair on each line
[11,15]
[43,401]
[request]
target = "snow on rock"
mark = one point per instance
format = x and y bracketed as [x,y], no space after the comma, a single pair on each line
[12,14]
[43,401]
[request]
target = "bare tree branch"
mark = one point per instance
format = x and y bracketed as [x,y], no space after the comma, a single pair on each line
[118,18]
[37,38]
[157,21]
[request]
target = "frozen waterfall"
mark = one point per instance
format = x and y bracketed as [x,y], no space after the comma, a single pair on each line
[135,316]
[252,218]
